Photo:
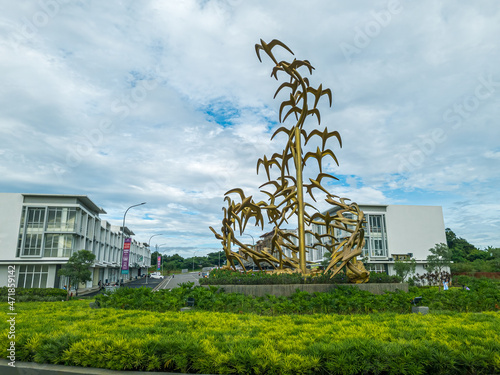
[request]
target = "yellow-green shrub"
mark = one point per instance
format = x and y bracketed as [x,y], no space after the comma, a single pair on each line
[205,342]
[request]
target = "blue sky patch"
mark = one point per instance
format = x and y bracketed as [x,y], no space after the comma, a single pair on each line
[223,113]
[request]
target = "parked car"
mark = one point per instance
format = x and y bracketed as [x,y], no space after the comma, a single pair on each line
[156,275]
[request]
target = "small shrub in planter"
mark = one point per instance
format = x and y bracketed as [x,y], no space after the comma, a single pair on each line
[227,277]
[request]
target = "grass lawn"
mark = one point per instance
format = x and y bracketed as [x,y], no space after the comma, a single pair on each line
[209,342]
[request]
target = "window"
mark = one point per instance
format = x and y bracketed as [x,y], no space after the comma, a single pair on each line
[58,245]
[365,248]
[401,256]
[83,221]
[61,219]
[33,276]
[374,267]
[36,218]
[32,244]
[376,223]
[377,247]
[32,225]
[375,237]
[90,228]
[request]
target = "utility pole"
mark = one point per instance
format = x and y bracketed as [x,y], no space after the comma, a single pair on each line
[149,247]
[193,258]
[125,268]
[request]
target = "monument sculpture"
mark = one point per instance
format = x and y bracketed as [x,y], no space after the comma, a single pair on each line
[286,192]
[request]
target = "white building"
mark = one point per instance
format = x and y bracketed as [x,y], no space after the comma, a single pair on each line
[38,234]
[396,232]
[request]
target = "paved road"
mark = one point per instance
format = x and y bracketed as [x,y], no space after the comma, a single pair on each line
[174,282]
[151,283]
[170,282]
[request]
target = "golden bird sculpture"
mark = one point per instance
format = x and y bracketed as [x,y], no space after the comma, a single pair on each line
[288,198]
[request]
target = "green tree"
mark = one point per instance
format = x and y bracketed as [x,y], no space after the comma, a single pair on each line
[439,259]
[478,255]
[327,256]
[460,248]
[404,268]
[77,269]
[494,258]
[174,262]
[213,258]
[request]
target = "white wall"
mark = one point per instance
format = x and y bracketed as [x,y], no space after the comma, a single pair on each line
[4,275]
[414,229]
[11,205]
[418,269]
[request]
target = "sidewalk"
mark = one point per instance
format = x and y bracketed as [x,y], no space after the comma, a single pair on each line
[32,368]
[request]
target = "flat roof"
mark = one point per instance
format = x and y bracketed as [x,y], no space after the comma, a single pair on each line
[84,199]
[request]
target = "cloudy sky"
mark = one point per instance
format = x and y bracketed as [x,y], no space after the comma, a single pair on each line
[166,102]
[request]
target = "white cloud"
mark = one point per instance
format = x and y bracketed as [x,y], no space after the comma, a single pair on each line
[166,102]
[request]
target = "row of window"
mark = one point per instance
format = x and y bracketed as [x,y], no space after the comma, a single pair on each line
[37,237]
[33,276]
[60,219]
[36,276]
[375,235]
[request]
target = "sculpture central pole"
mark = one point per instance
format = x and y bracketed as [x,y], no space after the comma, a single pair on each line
[300,201]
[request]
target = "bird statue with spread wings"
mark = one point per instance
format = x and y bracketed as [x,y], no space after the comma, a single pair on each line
[286,195]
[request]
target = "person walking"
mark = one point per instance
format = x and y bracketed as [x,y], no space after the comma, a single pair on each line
[445,284]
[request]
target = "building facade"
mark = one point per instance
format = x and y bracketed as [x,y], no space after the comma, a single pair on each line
[398,232]
[38,234]
[392,232]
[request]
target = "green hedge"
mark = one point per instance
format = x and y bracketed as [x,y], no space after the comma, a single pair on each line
[228,277]
[33,294]
[34,291]
[70,333]
[482,296]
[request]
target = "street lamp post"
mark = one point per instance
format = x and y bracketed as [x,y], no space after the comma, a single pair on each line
[149,247]
[123,232]
[158,247]
[193,258]
[253,241]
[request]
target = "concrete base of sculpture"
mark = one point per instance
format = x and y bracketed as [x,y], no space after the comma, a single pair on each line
[420,310]
[289,289]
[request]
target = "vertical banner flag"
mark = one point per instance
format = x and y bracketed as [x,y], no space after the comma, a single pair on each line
[159,262]
[126,253]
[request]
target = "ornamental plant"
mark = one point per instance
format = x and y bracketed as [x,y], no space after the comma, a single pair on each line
[70,333]
[229,277]
[339,300]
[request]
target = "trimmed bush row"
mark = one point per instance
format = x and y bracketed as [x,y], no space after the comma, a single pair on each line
[484,295]
[33,294]
[71,333]
[228,277]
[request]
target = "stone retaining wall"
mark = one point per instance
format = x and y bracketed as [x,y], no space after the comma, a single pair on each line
[287,290]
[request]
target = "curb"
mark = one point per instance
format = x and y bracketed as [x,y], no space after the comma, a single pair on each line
[162,284]
[32,368]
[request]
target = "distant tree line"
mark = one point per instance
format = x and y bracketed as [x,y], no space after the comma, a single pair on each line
[467,258]
[457,254]
[177,262]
